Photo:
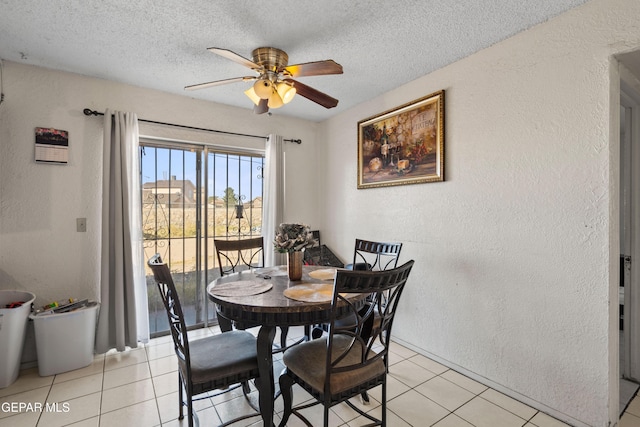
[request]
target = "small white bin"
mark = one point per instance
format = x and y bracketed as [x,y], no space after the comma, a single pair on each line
[65,341]
[13,326]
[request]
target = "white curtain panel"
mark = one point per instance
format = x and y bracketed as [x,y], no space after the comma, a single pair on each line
[123,319]
[273,200]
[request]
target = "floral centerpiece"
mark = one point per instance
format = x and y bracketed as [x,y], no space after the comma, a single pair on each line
[292,238]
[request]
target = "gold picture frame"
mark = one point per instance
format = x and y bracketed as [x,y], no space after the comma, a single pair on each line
[404,145]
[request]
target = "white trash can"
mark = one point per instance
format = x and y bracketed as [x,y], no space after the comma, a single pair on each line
[65,341]
[13,326]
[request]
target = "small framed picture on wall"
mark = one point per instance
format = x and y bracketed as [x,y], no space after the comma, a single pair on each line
[52,146]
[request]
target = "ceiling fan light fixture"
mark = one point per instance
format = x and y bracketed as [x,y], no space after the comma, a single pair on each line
[286,92]
[251,93]
[275,101]
[263,88]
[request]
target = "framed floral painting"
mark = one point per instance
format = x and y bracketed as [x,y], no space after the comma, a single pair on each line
[404,145]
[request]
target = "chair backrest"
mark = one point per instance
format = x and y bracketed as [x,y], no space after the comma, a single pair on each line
[385,288]
[171,301]
[239,254]
[369,255]
[316,238]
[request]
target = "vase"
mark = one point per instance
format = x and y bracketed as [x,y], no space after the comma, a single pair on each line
[294,264]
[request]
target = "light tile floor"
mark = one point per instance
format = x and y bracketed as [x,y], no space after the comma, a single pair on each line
[139,388]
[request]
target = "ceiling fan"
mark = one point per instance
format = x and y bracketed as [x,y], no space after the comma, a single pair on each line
[274,85]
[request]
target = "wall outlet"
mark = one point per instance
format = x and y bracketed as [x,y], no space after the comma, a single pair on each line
[81,225]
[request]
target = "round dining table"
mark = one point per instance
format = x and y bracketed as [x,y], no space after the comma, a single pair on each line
[265,297]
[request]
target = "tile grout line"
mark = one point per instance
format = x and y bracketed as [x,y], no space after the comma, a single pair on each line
[104,366]
[155,394]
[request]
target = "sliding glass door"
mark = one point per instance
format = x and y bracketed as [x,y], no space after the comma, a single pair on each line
[192,195]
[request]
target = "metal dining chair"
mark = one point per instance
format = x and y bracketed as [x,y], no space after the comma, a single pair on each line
[238,255]
[368,255]
[219,362]
[344,364]
[316,238]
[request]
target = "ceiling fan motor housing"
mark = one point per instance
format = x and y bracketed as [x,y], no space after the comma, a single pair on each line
[271,58]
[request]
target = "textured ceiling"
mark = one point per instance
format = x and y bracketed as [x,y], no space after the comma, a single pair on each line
[162,44]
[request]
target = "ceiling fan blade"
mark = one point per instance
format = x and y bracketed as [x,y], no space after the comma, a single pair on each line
[262,107]
[235,57]
[219,83]
[318,68]
[313,94]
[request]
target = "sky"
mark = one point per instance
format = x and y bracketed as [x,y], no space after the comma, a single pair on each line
[242,173]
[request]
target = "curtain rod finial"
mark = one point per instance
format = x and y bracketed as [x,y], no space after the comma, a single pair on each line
[88,112]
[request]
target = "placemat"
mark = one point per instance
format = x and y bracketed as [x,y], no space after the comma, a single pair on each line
[241,288]
[280,270]
[324,274]
[310,292]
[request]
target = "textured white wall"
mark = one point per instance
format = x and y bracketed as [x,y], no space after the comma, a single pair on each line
[40,249]
[512,276]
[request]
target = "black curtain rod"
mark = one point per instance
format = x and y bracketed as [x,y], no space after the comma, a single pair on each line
[89,112]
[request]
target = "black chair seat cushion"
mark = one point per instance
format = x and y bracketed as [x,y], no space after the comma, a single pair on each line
[307,361]
[222,356]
